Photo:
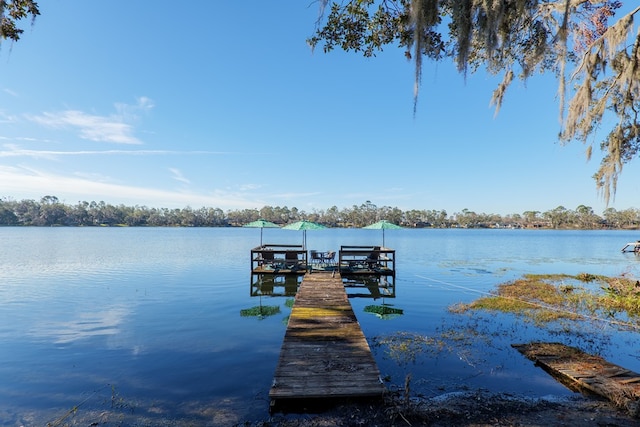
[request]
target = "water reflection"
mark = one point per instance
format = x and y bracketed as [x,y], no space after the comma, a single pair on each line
[356,286]
[384,311]
[260,311]
[83,326]
[374,287]
[156,312]
[275,284]
[370,286]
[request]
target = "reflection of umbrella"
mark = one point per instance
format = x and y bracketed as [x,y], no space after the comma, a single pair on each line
[383,225]
[261,223]
[304,226]
[260,311]
[384,311]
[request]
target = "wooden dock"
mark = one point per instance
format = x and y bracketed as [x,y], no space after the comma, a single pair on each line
[580,371]
[366,260]
[324,354]
[632,247]
[279,259]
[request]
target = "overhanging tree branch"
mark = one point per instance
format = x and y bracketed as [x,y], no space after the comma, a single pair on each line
[11,13]
[517,38]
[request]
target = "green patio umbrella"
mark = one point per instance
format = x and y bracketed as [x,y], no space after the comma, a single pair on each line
[304,226]
[383,225]
[261,223]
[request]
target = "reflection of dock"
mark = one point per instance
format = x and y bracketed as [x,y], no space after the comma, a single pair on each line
[324,354]
[369,286]
[274,285]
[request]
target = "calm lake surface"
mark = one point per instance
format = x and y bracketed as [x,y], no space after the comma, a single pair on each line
[145,322]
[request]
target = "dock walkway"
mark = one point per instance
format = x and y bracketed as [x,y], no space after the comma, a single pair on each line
[324,354]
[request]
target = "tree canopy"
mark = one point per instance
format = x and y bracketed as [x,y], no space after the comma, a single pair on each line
[596,63]
[12,13]
[50,211]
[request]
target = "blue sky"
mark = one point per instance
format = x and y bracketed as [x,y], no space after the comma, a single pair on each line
[222,104]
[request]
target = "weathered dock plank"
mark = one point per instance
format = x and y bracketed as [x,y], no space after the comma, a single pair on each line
[582,371]
[324,353]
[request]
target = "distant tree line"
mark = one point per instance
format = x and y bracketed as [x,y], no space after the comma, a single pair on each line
[49,211]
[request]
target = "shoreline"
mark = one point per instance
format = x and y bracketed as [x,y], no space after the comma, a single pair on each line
[478,408]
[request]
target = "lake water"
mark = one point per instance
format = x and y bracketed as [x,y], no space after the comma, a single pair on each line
[145,323]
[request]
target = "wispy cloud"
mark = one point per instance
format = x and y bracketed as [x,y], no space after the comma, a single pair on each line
[33,183]
[129,112]
[84,325]
[91,127]
[13,150]
[177,175]
[293,196]
[7,118]
[10,92]
[250,187]
[115,128]
[94,177]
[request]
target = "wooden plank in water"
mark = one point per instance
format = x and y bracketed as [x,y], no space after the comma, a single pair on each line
[587,372]
[324,353]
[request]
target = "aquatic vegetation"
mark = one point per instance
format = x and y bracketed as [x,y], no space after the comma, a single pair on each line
[406,347]
[621,295]
[553,297]
[111,407]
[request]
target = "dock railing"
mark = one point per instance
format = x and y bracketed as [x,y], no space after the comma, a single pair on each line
[282,259]
[366,260]
[632,247]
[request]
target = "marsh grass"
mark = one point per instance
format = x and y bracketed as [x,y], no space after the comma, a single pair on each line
[105,409]
[407,347]
[621,295]
[554,297]
[551,305]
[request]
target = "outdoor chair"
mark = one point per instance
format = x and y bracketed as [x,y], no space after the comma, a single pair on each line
[266,259]
[291,260]
[316,257]
[373,257]
[329,258]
